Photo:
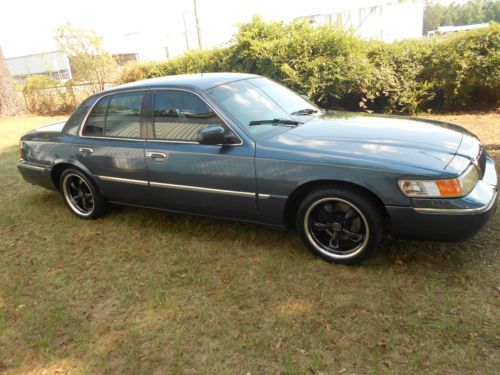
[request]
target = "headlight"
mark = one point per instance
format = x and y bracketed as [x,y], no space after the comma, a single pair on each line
[452,188]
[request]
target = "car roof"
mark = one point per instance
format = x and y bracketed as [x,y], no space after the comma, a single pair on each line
[202,81]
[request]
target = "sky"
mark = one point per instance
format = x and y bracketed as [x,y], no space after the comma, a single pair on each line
[27,26]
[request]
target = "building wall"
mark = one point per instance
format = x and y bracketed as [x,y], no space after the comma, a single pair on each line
[54,64]
[387,22]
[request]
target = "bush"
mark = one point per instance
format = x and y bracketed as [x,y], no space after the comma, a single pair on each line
[465,69]
[326,63]
[396,84]
[44,96]
[337,69]
[38,98]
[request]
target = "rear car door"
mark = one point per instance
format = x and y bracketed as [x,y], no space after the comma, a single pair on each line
[189,177]
[111,146]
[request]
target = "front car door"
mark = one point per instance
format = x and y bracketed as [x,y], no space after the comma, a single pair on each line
[189,177]
[111,146]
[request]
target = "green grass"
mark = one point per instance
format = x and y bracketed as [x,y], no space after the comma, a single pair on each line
[142,292]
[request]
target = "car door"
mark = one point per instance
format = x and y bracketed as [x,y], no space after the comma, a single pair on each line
[111,146]
[189,177]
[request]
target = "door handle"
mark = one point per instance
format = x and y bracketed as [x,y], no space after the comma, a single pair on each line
[156,155]
[86,150]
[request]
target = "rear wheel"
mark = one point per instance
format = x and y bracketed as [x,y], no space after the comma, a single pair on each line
[81,195]
[339,224]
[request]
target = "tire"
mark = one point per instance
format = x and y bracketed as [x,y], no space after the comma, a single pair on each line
[81,195]
[340,224]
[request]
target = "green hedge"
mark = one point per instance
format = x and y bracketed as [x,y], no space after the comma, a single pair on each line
[338,70]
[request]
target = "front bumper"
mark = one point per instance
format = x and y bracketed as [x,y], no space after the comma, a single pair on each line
[448,219]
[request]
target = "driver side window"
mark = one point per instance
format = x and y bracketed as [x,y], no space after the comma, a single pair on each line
[180,115]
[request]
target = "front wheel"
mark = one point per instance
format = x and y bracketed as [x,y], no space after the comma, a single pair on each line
[81,195]
[339,224]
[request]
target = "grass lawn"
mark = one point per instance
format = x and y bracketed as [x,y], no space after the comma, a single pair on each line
[142,292]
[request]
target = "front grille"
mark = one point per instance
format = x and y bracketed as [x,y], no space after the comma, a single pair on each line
[481,160]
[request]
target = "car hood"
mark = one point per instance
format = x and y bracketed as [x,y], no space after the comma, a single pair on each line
[388,142]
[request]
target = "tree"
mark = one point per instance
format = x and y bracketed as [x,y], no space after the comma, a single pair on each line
[457,14]
[91,62]
[9,102]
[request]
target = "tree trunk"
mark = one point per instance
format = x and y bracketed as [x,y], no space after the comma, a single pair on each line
[9,101]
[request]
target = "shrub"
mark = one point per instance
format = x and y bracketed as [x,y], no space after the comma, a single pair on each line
[396,84]
[465,69]
[326,63]
[44,96]
[37,95]
[337,69]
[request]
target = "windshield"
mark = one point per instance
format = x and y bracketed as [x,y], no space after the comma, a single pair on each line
[260,99]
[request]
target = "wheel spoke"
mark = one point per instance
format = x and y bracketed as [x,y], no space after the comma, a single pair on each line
[86,204]
[321,226]
[73,187]
[354,237]
[334,241]
[350,214]
[328,208]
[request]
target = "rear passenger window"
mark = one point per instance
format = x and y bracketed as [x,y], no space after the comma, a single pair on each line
[116,116]
[95,122]
[73,124]
[180,115]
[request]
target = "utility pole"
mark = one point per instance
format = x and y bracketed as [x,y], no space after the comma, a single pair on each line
[167,52]
[185,30]
[197,24]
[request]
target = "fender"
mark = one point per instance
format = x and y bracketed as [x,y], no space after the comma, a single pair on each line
[61,164]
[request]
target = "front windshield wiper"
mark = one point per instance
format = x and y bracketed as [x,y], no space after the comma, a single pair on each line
[305,111]
[275,121]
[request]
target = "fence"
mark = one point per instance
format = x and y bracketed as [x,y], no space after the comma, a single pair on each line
[59,99]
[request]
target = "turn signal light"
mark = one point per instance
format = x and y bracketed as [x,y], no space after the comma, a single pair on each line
[450,188]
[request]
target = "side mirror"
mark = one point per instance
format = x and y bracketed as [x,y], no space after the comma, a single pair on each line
[213,135]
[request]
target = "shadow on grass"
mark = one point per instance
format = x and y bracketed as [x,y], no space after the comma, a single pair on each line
[430,255]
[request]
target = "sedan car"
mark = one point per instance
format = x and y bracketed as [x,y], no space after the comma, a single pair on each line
[242,147]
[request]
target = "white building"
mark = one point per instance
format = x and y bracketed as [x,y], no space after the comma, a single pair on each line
[384,21]
[454,29]
[54,64]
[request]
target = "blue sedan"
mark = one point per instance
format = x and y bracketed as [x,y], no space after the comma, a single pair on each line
[242,147]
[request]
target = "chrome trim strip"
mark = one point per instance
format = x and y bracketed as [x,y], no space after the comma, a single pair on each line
[124,180]
[202,189]
[29,166]
[264,196]
[173,141]
[114,138]
[458,211]
[180,187]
